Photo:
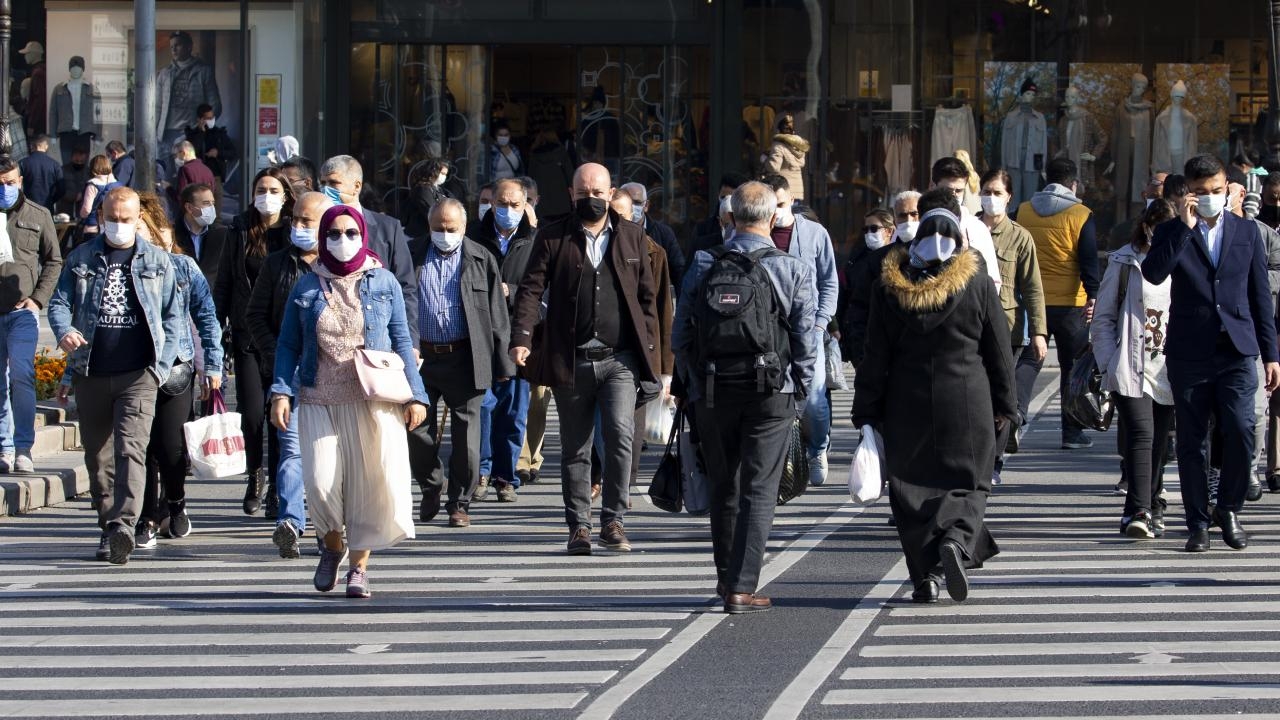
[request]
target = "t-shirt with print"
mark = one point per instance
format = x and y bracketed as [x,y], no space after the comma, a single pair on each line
[121,341]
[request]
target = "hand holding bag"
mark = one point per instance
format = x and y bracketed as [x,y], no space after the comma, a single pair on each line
[215,442]
[866,472]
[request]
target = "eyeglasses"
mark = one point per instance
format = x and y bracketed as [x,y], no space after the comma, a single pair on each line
[872,229]
[352,234]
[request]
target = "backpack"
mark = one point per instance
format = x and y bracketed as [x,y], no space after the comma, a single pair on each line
[742,338]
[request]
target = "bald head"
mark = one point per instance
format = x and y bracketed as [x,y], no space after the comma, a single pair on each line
[592,180]
[754,207]
[308,210]
[121,205]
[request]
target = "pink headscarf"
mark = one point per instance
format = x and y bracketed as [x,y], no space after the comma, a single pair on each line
[333,264]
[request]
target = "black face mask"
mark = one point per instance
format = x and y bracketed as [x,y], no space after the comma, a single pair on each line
[590,209]
[1269,214]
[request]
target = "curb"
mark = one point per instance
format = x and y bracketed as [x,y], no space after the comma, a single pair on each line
[60,474]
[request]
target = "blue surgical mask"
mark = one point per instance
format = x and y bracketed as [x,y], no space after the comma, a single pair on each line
[8,196]
[303,238]
[506,217]
[333,194]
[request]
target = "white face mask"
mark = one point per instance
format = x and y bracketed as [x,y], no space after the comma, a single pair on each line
[343,248]
[119,235]
[268,204]
[440,180]
[784,218]
[208,124]
[994,205]
[207,216]
[906,232]
[503,141]
[874,240]
[446,242]
[485,208]
[935,248]
[1210,206]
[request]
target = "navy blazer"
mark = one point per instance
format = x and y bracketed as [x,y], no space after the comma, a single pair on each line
[1205,300]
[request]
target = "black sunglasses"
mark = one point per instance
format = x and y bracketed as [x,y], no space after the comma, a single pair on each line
[872,229]
[352,234]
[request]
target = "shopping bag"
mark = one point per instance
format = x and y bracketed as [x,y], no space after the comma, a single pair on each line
[215,442]
[866,472]
[659,417]
[695,484]
[795,472]
[665,490]
[835,366]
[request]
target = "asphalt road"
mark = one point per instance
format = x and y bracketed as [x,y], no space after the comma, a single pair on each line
[494,621]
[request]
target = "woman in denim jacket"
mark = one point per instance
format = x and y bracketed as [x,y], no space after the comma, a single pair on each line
[164,506]
[355,452]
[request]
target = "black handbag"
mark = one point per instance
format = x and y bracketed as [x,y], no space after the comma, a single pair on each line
[665,492]
[795,472]
[180,377]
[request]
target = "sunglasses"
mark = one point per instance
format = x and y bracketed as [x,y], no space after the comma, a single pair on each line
[872,229]
[351,234]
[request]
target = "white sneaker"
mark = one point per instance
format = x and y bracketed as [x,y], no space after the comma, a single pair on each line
[818,470]
[22,462]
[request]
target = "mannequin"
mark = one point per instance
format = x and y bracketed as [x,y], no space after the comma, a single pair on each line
[73,111]
[1024,144]
[1131,148]
[33,88]
[1177,135]
[1080,138]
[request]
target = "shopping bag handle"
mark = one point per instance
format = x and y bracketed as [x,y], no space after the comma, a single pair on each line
[217,405]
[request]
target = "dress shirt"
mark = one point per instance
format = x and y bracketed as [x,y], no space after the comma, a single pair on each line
[441,319]
[1212,237]
[597,245]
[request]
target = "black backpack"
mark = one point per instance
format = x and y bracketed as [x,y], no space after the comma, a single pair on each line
[743,339]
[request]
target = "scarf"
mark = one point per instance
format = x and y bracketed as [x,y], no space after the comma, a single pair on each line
[333,264]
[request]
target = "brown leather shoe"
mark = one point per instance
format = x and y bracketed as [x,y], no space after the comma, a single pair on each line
[580,541]
[430,506]
[742,603]
[459,518]
[613,537]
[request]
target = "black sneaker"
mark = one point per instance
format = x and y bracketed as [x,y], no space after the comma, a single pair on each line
[179,524]
[1124,524]
[953,569]
[1076,440]
[119,545]
[1140,526]
[1273,483]
[144,536]
[104,548]
[327,569]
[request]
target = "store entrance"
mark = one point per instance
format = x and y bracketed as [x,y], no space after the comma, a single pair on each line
[641,111]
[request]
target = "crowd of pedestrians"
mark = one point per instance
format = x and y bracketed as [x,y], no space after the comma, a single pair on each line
[943,313]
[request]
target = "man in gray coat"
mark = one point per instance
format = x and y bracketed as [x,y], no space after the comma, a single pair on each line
[183,85]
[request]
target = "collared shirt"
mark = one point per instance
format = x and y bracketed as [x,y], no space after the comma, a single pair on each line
[597,245]
[197,238]
[1212,237]
[504,242]
[441,319]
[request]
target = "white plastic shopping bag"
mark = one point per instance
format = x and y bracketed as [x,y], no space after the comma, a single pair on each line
[865,472]
[215,442]
[659,417]
[835,366]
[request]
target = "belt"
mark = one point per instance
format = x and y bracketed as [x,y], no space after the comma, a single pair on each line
[595,353]
[445,349]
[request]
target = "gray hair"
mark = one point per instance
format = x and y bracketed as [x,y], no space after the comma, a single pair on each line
[524,190]
[185,148]
[344,165]
[632,188]
[447,203]
[754,203]
[904,196]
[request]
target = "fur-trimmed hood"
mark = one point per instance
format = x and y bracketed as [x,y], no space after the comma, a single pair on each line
[931,295]
[795,142]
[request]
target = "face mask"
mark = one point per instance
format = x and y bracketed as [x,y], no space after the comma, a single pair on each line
[206,216]
[874,240]
[993,205]
[637,215]
[507,218]
[785,218]
[208,124]
[485,208]
[343,248]
[179,162]
[440,180]
[906,232]
[76,73]
[333,194]
[119,235]
[1149,201]
[933,249]
[590,209]
[303,238]
[1210,206]
[446,242]
[8,196]
[503,141]
[268,204]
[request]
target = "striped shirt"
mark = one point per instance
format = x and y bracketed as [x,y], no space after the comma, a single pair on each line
[441,319]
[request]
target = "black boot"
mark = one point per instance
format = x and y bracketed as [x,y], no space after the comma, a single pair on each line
[253,493]
[271,502]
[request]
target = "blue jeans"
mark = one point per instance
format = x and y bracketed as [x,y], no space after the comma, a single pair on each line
[505,429]
[486,432]
[817,404]
[19,332]
[289,485]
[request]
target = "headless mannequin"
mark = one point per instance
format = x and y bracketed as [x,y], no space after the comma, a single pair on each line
[1131,149]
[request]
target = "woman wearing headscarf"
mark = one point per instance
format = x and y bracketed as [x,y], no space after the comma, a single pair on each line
[937,382]
[355,453]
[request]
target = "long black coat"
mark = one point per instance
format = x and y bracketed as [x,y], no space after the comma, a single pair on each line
[937,371]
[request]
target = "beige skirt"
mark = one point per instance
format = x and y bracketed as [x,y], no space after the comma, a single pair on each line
[355,463]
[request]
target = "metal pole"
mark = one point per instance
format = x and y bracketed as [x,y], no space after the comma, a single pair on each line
[144,95]
[6,28]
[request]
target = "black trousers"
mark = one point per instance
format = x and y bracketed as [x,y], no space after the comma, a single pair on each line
[449,377]
[1144,442]
[744,443]
[1070,333]
[251,403]
[166,492]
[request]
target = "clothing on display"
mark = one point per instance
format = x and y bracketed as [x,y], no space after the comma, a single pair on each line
[1080,134]
[1024,146]
[953,129]
[1131,151]
[1176,138]
[897,160]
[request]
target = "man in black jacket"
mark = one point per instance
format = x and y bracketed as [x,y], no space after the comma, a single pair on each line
[122,164]
[199,234]
[41,175]
[343,179]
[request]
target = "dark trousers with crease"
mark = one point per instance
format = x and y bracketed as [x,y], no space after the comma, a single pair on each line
[449,377]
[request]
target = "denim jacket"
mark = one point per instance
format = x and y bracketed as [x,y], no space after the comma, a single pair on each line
[75,301]
[198,302]
[385,329]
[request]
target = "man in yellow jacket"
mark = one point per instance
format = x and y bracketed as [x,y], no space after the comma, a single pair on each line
[1067,247]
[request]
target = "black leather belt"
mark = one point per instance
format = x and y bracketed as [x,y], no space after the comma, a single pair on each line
[430,349]
[595,353]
